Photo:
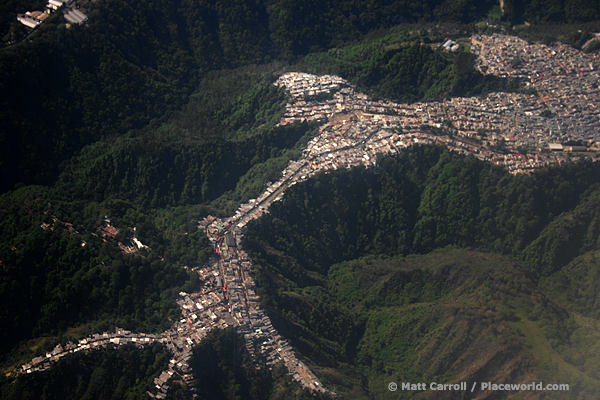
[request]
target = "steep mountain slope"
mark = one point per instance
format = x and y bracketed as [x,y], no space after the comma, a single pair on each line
[455,316]
[158,113]
[450,316]
[133,62]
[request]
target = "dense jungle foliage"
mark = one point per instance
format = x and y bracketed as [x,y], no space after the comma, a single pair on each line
[338,268]
[68,275]
[552,11]
[60,272]
[399,68]
[62,89]
[217,151]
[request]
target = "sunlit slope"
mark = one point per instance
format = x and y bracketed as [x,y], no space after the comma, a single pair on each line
[456,316]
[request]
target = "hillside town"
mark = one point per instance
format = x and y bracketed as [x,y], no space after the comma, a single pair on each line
[226,298]
[556,123]
[522,132]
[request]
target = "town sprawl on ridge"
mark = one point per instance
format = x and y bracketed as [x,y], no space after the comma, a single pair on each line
[530,127]
[354,131]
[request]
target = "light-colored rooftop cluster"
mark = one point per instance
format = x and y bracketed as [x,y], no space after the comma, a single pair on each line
[32,19]
[567,82]
[529,127]
[300,85]
[118,337]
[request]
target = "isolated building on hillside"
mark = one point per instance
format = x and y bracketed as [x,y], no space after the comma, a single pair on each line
[451,46]
[75,17]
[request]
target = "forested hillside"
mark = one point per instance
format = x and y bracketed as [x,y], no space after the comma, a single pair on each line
[64,277]
[330,261]
[58,272]
[423,199]
[134,62]
[155,114]
[65,88]
[556,11]
[399,67]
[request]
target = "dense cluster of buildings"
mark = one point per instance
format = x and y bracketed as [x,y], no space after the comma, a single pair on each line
[71,12]
[566,81]
[230,277]
[226,298]
[520,131]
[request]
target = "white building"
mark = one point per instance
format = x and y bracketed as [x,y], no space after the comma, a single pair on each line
[56,4]
[75,17]
[451,46]
[28,21]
